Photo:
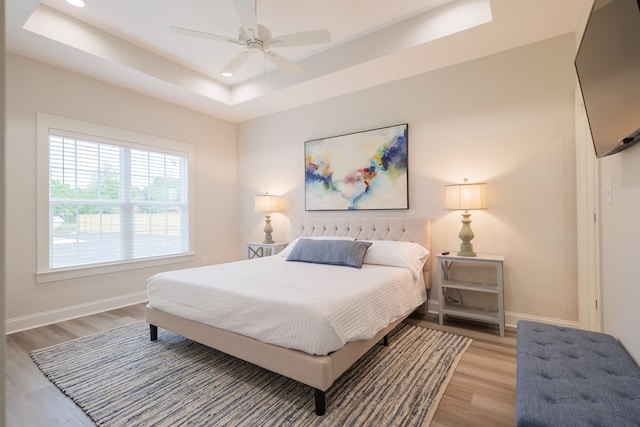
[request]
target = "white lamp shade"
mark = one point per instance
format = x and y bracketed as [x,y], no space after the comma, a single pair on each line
[268,203]
[465,196]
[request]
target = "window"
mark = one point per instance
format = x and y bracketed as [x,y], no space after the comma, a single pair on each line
[112,197]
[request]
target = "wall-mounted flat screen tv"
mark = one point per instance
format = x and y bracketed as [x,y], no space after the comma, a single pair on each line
[608,67]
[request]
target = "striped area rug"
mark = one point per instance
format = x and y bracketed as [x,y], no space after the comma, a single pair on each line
[120,378]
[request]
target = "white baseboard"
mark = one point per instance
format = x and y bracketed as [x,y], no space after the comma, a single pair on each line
[511,319]
[31,321]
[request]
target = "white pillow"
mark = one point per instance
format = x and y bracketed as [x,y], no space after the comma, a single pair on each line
[286,251]
[397,254]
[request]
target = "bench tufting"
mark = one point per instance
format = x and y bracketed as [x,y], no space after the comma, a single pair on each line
[570,377]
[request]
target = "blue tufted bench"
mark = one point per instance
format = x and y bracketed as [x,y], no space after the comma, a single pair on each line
[569,377]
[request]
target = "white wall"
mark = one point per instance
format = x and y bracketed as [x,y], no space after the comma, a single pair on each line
[34,87]
[619,237]
[2,241]
[507,119]
[619,232]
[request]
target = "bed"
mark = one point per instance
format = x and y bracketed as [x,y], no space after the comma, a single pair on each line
[321,361]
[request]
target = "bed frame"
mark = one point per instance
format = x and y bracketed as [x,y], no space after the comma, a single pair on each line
[318,372]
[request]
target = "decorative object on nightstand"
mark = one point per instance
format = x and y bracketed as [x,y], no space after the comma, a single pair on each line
[465,197]
[259,250]
[267,204]
[456,308]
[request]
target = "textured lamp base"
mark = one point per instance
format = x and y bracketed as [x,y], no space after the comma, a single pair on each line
[466,235]
[466,250]
[268,229]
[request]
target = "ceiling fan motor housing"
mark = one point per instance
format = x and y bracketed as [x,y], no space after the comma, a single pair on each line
[255,45]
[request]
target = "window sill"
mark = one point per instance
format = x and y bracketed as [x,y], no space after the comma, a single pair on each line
[95,270]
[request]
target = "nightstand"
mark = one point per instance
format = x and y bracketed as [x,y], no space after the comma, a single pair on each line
[445,262]
[259,250]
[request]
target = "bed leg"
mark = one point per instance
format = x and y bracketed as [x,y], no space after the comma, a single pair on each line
[153,332]
[321,401]
[385,341]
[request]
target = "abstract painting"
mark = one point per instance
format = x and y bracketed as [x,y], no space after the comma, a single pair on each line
[359,171]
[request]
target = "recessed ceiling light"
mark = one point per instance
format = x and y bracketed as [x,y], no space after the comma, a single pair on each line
[77,3]
[227,74]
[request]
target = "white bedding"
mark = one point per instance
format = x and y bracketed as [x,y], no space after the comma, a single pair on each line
[310,307]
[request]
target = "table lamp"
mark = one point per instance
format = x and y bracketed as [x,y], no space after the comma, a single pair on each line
[465,197]
[267,204]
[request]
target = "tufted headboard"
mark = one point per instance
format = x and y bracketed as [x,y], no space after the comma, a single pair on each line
[416,230]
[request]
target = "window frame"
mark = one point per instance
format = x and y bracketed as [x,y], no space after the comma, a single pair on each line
[99,133]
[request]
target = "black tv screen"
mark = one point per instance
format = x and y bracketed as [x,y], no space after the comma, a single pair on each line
[608,67]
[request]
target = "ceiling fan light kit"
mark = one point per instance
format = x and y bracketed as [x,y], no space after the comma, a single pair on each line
[257,40]
[77,3]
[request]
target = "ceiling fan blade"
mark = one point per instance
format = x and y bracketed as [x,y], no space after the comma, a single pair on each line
[202,35]
[235,63]
[301,39]
[246,10]
[284,64]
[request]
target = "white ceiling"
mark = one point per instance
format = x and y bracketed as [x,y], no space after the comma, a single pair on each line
[127,43]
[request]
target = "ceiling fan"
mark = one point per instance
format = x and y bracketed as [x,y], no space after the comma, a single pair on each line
[257,40]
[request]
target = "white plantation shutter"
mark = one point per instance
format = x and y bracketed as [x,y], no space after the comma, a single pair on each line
[112,201]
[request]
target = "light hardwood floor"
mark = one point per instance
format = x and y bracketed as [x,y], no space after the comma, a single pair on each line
[481,392]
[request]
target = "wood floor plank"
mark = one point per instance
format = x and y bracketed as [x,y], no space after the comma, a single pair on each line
[50,405]
[481,391]
[483,388]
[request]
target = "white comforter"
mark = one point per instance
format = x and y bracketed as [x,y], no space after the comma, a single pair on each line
[310,307]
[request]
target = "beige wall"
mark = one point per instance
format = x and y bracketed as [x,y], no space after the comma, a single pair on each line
[507,119]
[619,237]
[35,87]
[2,241]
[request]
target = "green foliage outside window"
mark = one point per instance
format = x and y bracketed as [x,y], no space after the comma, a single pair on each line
[106,186]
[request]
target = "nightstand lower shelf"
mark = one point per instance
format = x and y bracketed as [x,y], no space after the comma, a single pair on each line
[473,313]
